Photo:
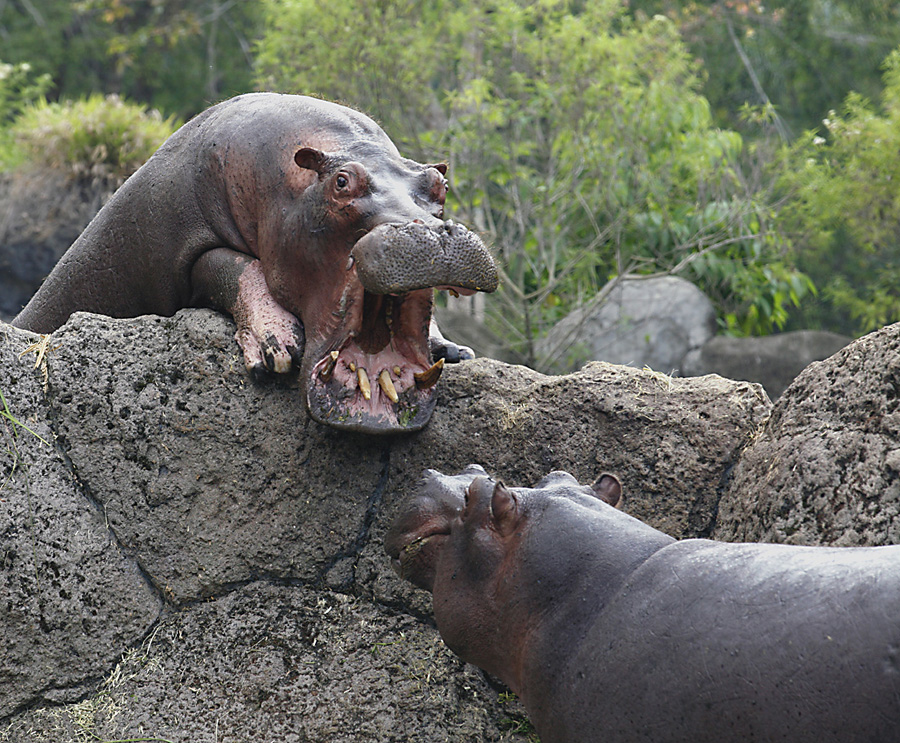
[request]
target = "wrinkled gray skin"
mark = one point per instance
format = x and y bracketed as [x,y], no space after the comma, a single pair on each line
[253,208]
[609,630]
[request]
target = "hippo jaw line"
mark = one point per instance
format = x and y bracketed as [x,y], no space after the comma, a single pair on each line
[405,562]
[414,555]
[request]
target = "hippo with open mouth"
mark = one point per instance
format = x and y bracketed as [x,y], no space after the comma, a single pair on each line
[301,219]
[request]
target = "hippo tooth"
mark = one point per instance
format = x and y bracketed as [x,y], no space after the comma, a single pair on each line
[429,378]
[326,371]
[397,371]
[387,386]
[364,385]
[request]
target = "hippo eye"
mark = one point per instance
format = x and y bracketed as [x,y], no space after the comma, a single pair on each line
[342,181]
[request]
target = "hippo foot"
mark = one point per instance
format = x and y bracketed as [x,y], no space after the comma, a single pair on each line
[442,349]
[270,337]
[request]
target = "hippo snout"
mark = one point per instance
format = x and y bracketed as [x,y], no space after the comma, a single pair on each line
[416,535]
[424,524]
[399,258]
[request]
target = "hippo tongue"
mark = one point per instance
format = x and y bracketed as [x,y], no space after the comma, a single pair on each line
[397,258]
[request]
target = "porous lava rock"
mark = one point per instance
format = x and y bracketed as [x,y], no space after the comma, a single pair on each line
[226,550]
[826,467]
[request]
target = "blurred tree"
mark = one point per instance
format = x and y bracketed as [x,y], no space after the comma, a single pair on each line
[175,55]
[843,211]
[577,138]
[392,59]
[802,56]
[55,39]
[19,88]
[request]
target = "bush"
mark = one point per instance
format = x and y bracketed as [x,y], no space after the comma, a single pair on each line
[844,213]
[96,139]
[18,89]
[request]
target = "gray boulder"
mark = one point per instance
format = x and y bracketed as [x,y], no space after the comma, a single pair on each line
[826,467]
[772,360]
[640,322]
[224,549]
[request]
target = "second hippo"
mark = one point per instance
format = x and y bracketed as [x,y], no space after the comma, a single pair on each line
[609,630]
[301,219]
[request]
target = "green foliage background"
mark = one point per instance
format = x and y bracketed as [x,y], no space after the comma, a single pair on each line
[577,136]
[588,140]
[844,213]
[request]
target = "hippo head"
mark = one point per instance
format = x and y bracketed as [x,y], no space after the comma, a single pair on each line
[486,551]
[376,248]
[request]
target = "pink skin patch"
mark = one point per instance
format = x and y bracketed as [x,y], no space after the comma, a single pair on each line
[265,328]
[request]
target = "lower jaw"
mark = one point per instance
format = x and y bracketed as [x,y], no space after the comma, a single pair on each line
[410,413]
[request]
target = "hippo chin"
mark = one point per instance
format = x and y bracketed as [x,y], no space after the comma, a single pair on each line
[610,630]
[301,219]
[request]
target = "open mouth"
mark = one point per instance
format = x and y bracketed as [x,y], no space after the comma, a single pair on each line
[376,374]
[371,368]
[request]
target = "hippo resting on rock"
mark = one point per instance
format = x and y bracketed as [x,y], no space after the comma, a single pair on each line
[301,219]
[609,630]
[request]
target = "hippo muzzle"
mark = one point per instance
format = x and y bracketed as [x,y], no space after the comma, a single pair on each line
[420,530]
[398,258]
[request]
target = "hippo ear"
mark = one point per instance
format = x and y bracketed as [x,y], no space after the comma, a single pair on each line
[312,159]
[440,168]
[608,488]
[504,510]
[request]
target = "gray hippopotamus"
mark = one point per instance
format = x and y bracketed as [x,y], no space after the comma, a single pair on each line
[609,630]
[300,218]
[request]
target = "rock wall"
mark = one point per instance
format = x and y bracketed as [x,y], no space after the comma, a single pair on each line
[187,557]
[826,467]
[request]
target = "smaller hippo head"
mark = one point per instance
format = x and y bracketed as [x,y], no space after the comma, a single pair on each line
[494,557]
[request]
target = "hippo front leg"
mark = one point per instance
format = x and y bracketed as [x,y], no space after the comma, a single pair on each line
[441,348]
[270,337]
